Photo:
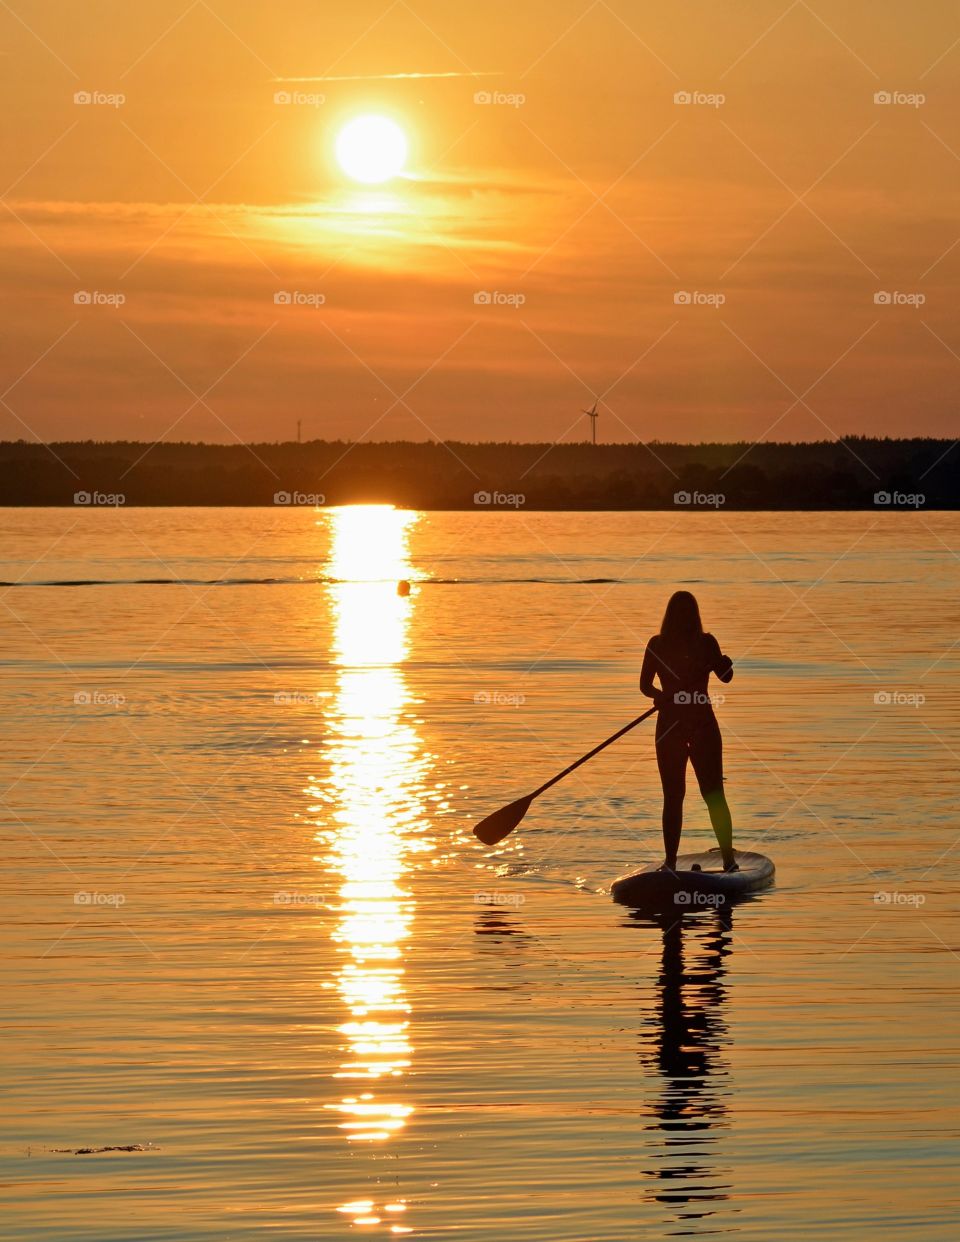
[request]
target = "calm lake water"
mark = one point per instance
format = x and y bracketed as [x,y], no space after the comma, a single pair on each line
[247,926]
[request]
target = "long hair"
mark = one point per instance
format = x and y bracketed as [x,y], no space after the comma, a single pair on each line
[681,618]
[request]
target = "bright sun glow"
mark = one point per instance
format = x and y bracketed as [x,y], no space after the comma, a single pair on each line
[371,149]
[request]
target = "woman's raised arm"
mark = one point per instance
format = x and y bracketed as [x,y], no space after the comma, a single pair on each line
[721,664]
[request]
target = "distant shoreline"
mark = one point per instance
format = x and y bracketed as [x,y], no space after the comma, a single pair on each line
[858,473]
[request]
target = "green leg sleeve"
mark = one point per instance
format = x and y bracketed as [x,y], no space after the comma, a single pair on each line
[721,820]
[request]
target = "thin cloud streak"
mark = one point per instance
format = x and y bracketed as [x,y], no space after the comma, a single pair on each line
[392,77]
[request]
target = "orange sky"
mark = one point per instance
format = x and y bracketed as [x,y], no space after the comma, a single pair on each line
[597,198]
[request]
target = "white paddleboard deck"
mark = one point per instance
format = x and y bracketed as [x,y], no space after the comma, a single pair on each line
[698,882]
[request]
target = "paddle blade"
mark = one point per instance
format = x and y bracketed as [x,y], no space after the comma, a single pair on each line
[501,823]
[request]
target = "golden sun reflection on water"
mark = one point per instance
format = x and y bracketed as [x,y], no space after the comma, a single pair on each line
[374,810]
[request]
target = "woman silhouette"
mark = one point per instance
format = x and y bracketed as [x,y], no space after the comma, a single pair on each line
[682,656]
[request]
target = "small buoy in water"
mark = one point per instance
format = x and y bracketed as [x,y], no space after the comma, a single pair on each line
[403,587]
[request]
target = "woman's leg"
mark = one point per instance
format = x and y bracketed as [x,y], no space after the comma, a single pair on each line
[672,762]
[706,755]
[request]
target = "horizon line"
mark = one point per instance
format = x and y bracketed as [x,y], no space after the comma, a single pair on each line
[555,444]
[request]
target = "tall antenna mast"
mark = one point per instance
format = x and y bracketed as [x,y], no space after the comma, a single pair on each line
[593,416]
[298,430]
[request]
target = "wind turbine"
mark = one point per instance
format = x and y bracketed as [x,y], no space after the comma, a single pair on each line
[593,416]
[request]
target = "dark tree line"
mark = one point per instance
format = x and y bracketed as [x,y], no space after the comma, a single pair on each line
[921,473]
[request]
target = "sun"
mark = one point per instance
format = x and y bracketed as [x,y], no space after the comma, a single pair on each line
[371,149]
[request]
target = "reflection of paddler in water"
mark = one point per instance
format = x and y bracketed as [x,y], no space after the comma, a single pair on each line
[684,1043]
[492,921]
[502,936]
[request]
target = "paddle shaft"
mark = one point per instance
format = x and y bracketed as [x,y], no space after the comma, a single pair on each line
[596,750]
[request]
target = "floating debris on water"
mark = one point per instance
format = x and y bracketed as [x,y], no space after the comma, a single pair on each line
[96,1151]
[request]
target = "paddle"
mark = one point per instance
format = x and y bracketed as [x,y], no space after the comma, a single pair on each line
[501,823]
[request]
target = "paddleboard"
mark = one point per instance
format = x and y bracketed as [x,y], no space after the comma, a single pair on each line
[699,881]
